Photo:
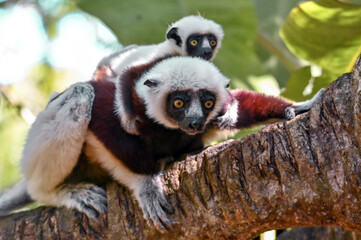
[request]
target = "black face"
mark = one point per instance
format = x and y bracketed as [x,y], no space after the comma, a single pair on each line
[201,45]
[190,109]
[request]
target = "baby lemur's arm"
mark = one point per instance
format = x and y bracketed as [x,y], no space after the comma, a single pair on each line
[247,108]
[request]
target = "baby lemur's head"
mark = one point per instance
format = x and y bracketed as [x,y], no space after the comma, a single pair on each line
[196,36]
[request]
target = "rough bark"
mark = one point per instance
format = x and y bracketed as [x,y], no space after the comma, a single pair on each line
[299,173]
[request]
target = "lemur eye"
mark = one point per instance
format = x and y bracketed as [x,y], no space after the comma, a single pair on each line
[213,43]
[178,103]
[208,104]
[194,42]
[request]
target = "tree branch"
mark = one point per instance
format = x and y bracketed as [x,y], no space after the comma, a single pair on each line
[298,173]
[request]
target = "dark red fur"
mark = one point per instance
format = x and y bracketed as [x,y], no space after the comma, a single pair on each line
[140,153]
[256,107]
[106,126]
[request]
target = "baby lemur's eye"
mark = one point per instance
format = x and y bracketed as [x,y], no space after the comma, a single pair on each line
[208,104]
[213,43]
[194,42]
[178,103]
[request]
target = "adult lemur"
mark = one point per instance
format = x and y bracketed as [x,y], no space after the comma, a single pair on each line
[190,36]
[78,139]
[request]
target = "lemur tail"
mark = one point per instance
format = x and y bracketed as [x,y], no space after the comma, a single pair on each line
[14,198]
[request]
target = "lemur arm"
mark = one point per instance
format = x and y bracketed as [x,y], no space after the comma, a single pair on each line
[247,108]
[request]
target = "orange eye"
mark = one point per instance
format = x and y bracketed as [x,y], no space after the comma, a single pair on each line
[194,42]
[208,104]
[213,43]
[178,103]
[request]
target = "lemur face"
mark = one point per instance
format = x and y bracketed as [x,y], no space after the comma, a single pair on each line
[201,45]
[190,109]
[195,36]
[183,93]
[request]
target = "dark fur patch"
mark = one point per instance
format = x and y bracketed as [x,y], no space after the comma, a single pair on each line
[197,50]
[173,34]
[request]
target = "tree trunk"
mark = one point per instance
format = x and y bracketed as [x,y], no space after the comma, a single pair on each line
[298,173]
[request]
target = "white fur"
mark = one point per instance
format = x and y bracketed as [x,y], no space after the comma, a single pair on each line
[12,198]
[138,55]
[186,26]
[181,73]
[197,24]
[141,55]
[54,143]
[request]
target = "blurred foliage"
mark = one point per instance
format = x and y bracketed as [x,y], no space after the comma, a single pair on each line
[326,33]
[320,35]
[132,24]
[12,133]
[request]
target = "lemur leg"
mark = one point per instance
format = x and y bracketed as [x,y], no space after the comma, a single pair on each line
[152,201]
[147,189]
[52,149]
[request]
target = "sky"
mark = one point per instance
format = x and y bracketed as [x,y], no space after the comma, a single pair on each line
[81,41]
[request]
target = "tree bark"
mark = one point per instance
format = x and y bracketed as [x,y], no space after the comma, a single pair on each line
[298,173]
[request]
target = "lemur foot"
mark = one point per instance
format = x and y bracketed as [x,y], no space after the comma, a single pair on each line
[129,124]
[87,198]
[75,103]
[152,201]
[290,113]
[301,107]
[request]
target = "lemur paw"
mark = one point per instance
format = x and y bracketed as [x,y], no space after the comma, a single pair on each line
[290,113]
[89,199]
[130,125]
[302,107]
[80,101]
[74,103]
[152,201]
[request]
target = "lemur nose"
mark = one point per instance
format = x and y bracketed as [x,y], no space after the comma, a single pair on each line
[195,125]
[208,53]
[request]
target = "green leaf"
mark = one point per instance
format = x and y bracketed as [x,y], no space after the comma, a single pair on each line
[297,83]
[273,53]
[326,32]
[146,22]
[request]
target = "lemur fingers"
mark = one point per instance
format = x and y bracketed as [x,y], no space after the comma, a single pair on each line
[87,198]
[152,201]
[301,107]
[74,103]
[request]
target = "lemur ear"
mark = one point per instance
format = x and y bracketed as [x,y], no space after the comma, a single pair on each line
[173,34]
[151,83]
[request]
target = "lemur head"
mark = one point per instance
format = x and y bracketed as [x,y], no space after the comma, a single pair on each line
[196,36]
[183,93]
